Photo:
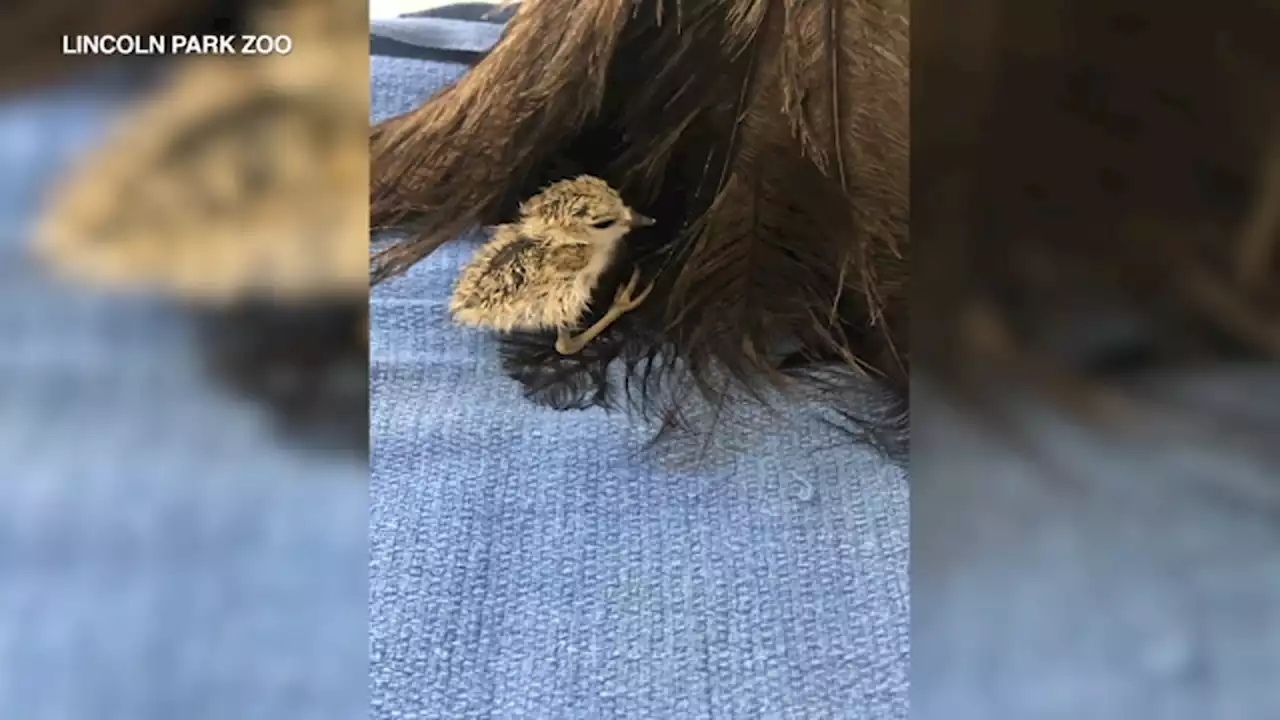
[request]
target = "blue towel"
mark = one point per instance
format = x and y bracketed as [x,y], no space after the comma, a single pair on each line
[529,563]
[1103,575]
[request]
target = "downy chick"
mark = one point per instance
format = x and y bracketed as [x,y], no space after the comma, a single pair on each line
[539,272]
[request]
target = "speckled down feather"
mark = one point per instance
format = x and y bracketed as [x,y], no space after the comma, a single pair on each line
[521,282]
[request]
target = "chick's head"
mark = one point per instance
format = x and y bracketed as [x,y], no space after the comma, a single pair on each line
[583,210]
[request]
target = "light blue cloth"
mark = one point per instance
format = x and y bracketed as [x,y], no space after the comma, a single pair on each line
[1066,574]
[162,556]
[529,563]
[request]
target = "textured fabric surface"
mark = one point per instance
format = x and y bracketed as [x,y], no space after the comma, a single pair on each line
[162,556]
[528,563]
[1105,576]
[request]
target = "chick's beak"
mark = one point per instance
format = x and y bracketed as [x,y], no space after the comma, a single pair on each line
[638,220]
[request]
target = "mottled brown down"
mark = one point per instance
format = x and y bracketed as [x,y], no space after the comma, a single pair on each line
[240,177]
[539,272]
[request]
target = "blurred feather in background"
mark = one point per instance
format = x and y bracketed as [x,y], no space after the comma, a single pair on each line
[183,378]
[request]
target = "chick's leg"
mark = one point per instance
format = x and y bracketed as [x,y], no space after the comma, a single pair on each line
[623,302]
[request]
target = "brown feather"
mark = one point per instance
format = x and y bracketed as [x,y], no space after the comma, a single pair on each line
[1103,205]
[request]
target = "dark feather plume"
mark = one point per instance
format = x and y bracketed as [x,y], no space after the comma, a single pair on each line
[769,138]
[1106,200]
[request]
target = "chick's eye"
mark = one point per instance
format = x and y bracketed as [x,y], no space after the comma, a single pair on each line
[603,224]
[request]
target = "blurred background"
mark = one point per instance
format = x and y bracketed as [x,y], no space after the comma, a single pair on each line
[379,9]
[1095,387]
[183,423]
